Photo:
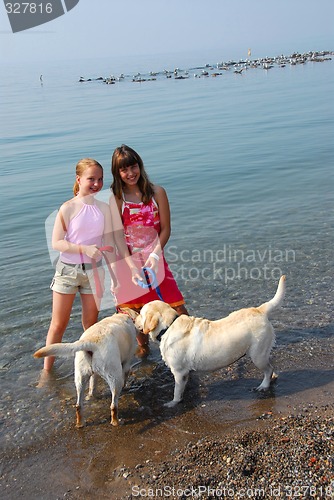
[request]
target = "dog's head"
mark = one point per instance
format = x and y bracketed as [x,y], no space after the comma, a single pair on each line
[155,317]
[130,312]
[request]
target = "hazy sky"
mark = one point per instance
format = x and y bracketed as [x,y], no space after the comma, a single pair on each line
[104,28]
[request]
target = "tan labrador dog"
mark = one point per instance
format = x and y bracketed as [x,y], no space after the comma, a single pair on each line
[107,349]
[196,344]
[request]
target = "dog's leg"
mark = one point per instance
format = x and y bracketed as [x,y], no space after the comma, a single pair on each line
[115,393]
[114,410]
[269,376]
[82,373]
[115,385]
[260,354]
[92,387]
[181,379]
[126,367]
[80,384]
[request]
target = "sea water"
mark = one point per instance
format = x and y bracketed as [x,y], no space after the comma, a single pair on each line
[246,160]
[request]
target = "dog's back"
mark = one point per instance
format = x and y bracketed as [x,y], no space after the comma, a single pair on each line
[201,327]
[117,331]
[113,334]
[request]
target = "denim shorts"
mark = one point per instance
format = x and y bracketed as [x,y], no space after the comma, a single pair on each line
[70,279]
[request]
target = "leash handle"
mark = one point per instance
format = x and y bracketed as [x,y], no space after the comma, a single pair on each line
[151,281]
[150,277]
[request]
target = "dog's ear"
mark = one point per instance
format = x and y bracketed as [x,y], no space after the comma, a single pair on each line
[151,322]
[139,322]
[130,312]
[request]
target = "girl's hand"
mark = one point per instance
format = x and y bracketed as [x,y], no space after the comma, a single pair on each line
[92,251]
[136,276]
[153,262]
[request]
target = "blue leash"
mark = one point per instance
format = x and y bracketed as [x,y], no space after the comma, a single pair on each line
[150,281]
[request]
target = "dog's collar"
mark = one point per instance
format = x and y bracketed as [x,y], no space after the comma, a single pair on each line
[159,336]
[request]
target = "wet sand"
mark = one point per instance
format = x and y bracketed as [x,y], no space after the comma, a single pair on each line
[224,440]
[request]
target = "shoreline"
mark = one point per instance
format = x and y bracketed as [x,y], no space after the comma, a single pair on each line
[276,457]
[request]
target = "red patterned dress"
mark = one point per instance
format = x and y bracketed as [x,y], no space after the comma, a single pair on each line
[141,228]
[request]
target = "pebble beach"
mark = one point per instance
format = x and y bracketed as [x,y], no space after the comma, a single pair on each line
[289,457]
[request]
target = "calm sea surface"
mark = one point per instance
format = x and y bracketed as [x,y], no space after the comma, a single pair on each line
[247,161]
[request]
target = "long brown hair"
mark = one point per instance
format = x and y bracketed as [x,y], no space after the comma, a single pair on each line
[124,156]
[82,165]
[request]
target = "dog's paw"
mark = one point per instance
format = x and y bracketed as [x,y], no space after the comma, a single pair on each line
[260,389]
[171,404]
[264,387]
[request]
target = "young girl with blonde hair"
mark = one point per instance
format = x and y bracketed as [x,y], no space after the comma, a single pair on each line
[82,226]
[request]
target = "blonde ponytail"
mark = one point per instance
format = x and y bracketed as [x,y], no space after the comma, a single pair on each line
[76,188]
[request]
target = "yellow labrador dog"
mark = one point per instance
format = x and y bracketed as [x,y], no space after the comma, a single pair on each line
[107,349]
[196,344]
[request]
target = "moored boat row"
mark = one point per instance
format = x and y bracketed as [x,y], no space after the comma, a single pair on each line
[238,67]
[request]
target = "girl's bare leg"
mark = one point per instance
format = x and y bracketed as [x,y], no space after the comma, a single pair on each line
[61,311]
[90,310]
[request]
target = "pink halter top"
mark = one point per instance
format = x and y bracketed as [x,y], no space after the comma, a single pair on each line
[86,228]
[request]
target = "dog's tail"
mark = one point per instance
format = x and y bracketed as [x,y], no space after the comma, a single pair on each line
[65,349]
[277,300]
